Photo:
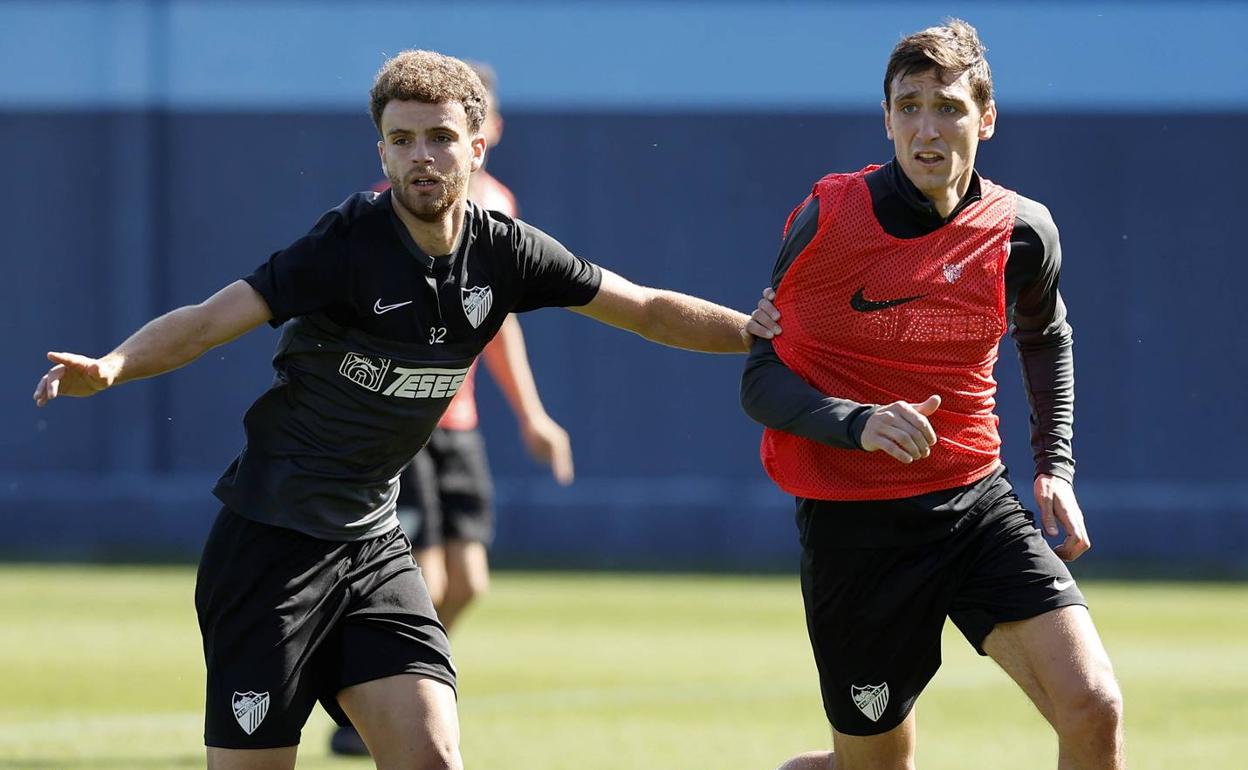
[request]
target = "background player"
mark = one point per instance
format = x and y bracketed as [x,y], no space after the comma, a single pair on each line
[895,284]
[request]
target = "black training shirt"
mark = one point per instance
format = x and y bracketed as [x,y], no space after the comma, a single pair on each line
[377,337]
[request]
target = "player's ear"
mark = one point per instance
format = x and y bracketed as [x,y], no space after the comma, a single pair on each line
[478,152]
[988,121]
[381,153]
[888,121]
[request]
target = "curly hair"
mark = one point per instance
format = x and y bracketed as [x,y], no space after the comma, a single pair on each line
[432,78]
[951,50]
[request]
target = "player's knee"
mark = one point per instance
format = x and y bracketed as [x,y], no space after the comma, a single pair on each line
[811,760]
[459,593]
[478,585]
[435,755]
[444,757]
[436,586]
[1095,711]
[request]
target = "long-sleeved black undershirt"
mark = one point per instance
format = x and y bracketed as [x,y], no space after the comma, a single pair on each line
[775,396]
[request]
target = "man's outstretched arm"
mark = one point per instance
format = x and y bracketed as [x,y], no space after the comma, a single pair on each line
[163,344]
[668,317]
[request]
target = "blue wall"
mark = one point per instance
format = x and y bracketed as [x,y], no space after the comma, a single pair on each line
[176,179]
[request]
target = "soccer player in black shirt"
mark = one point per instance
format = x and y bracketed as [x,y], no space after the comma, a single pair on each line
[896,283]
[307,589]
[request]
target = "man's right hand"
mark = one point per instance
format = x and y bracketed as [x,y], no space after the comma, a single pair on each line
[75,375]
[548,442]
[901,430]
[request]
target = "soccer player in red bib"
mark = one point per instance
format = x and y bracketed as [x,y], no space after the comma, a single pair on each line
[894,286]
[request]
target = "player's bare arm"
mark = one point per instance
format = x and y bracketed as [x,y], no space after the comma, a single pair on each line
[668,317]
[508,362]
[163,344]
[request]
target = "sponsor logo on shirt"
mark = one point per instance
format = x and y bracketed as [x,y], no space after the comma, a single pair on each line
[364,370]
[401,381]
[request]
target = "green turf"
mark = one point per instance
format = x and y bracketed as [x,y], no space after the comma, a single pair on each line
[101,669]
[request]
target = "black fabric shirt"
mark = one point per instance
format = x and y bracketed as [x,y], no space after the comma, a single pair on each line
[775,396]
[377,337]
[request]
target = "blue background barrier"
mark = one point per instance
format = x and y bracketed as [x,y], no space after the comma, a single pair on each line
[155,151]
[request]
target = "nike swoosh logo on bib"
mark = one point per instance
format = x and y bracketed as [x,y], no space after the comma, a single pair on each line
[864,305]
[379,308]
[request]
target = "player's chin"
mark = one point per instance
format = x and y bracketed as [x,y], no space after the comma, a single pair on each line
[431,211]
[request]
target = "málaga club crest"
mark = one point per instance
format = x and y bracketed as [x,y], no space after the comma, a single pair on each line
[250,709]
[871,699]
[477,303]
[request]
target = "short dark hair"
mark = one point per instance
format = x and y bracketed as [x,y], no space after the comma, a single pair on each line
[951,49]
[432,78]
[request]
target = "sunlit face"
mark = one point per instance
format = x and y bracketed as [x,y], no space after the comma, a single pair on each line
[428,153]
[936,128]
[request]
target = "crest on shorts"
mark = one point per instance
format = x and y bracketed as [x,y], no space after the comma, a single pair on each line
[952,272]
[477,303]
[871,699]
[250,709]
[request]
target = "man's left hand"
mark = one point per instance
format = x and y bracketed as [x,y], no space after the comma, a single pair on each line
[1056,498]
[764,320]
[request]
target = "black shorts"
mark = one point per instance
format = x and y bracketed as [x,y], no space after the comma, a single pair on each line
[446,493]
[875,615]
[289,619]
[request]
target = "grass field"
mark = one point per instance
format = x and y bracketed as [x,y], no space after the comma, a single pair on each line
[102,669]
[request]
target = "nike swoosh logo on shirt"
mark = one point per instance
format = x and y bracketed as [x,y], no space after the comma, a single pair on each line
[864,305]
[1062,585]
[379,308]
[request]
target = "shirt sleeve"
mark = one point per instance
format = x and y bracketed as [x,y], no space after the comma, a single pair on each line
[550,275]
[776,396]
[1044,338]
[309,275]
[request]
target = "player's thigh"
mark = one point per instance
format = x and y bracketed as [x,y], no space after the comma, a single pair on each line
[405,716]
[467,566]
[269,600]
[874,617]
[390,626]
[1009,572]
[257,759]
[432,562]
[1056,658]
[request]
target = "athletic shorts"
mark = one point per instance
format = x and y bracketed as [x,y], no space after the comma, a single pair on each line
[875,615]
[446,493]
[289,619]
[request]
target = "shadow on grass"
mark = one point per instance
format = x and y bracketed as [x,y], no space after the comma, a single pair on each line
[189,760]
